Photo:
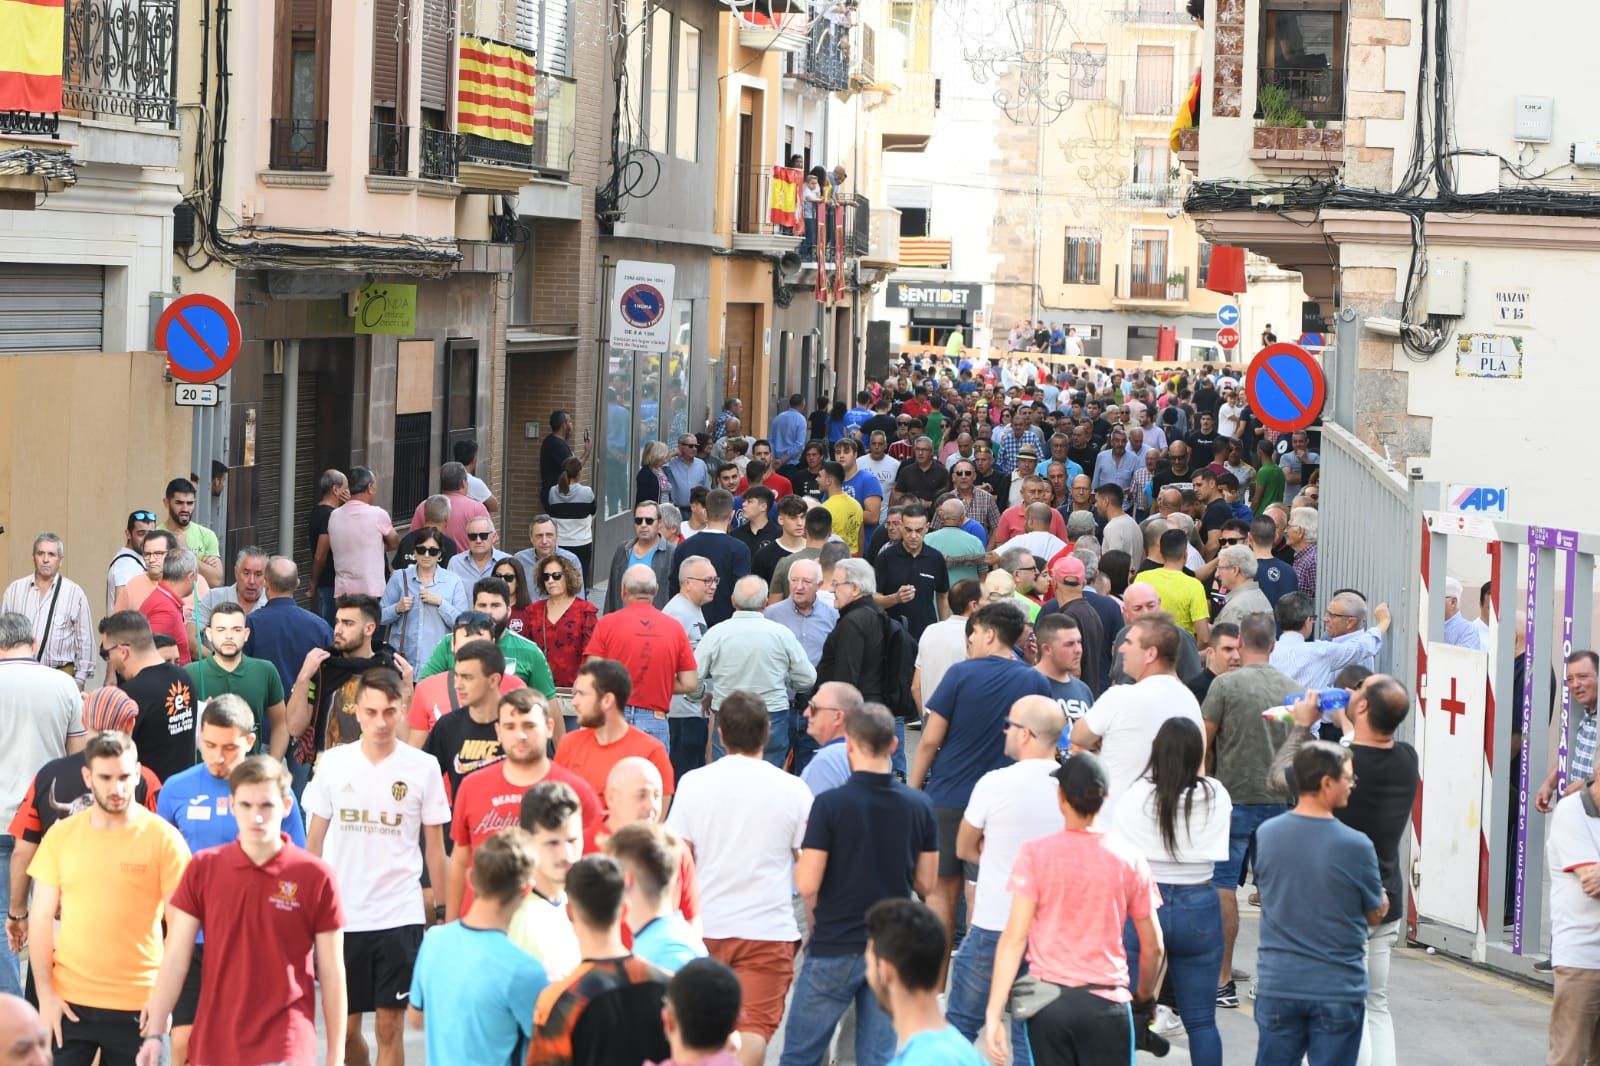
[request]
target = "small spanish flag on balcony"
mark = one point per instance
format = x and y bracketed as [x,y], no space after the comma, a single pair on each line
[495,92]
[31,36]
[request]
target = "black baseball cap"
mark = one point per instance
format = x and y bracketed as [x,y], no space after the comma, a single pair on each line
[1083,777]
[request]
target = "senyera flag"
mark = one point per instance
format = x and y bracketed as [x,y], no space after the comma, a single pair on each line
[31,35]
[496,90]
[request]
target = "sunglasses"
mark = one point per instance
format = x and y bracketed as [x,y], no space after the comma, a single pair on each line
[1225,541]
[553,575]
[644,521]
[144,516]
[479,536]
[507,576]
[428,551]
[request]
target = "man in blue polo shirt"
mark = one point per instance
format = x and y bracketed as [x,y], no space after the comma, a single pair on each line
[199,804]
[965,734]
[870,839]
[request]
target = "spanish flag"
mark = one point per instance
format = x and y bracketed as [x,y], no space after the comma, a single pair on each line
[496,90]
[784,197]
[1188,112]
[30,54]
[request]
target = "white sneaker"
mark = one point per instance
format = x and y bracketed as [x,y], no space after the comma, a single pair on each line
[1167,1022]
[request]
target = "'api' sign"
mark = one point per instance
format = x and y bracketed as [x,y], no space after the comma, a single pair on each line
[1479,499]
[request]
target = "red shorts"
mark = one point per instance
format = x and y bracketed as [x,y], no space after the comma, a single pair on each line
[765,969]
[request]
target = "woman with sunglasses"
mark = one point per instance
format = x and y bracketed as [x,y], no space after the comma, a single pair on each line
[421,601]
[562,624]
[510,571]
[1179,819]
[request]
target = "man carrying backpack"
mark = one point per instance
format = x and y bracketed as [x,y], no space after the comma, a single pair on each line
[965,734]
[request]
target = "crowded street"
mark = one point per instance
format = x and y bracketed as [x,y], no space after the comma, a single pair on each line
[798,533]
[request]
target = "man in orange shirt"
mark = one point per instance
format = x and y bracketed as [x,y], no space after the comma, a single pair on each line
[110,870]
[604,737]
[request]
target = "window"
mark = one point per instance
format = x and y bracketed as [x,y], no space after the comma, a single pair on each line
[660,79]
[687,143]
[1149,162]
[1089,71]
[1153,89]
[542,29]
[1147,272]
[914,221]
[300,74]
[633,26]
[1302,59]
[1204,271]
[1082,258]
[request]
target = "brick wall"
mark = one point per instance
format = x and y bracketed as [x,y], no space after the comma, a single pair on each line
[537,383]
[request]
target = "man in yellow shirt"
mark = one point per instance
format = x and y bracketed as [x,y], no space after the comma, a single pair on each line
[110,870]
[1182,596]
[847,513]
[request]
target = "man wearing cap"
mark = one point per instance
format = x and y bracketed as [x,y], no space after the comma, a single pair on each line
[1070,577]
[1027,466]
[1457,629]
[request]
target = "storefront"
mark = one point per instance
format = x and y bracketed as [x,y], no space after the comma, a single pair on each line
[934,309]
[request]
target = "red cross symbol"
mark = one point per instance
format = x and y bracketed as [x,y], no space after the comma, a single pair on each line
[1452,706]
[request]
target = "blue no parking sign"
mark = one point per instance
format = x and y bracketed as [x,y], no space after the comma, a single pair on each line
[201,337]
[1285,387]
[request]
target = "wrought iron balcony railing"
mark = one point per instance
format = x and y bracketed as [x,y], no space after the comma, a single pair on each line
[299,144]
[390,149]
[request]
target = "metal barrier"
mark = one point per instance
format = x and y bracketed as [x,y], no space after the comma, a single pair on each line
[1364,539]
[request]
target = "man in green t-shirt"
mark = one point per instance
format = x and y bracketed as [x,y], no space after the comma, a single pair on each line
[492,596]
[256,681]
[1269,478]
[197,538]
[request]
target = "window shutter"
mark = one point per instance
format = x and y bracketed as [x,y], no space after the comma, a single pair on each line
[438,39]
[388,49]
[303,16]
[552,54]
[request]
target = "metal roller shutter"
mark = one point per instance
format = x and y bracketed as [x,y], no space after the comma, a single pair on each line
[51,307]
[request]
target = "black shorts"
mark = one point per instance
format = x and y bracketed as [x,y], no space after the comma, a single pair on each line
[377,967]
[950,865]
[183,1012]
[1083,1029]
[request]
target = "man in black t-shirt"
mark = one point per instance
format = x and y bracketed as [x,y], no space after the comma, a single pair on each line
[333,489]
[165,728]
[1217,513]
[465,739]
[1203,441]
[913,580]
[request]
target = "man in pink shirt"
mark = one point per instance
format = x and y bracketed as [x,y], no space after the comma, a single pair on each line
[463,508]
[360,537]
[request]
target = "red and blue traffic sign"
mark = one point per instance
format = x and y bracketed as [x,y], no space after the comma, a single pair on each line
[201,337]
[1285,387]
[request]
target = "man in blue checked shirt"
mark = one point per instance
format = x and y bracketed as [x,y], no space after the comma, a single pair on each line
[199,804]
[1008,440]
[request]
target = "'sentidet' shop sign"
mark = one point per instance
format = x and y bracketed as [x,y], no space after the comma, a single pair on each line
[949,297]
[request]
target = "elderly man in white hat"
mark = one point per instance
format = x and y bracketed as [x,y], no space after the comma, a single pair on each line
[1458,630]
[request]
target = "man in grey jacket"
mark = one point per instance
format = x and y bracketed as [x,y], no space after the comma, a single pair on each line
[647,548]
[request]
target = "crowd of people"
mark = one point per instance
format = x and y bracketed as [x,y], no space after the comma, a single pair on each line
[671,812]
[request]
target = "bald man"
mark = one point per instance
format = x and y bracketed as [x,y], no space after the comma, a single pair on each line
[1138,601]
[24,1040]
[634,794]
[1007,808]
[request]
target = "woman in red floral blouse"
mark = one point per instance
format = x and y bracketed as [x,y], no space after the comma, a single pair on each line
[562,624]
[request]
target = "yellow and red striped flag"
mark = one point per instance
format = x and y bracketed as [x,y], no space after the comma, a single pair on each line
[494,98]
[30,54]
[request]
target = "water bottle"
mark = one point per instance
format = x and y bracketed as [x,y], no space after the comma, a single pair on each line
[1329,700]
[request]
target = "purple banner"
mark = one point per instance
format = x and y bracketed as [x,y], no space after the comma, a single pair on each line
[1565,541]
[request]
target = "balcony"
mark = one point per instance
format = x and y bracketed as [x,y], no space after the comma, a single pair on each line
[753,228]
[778,32]
[440,155]
[822,63]
[1149,284]
[389,150]
[1151,195]
[119,63]
[299,144]
[883,239]
[1316,93]
[863,57]
[1155,13]
[555,124]
[1187,152]
[1149,97]
[906,122]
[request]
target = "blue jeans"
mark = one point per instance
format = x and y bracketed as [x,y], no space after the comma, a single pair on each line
[1326,1034]
[687,748]
[898,762]
[649,723]
[1191,925]
[800,742]
[325,606]
[970,974]
[823,991]
[777,749]
[10,974]
[1247,818]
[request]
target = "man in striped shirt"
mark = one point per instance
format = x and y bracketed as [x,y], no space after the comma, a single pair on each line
[63,627]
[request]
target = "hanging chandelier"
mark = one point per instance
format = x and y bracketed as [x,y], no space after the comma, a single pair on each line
[1032,64]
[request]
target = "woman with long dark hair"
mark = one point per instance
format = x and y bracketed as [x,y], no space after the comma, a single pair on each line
[1115,565]
[1179,818]
[572,504]
[510,571]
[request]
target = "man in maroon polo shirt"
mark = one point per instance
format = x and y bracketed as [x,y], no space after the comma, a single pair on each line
[263,904]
